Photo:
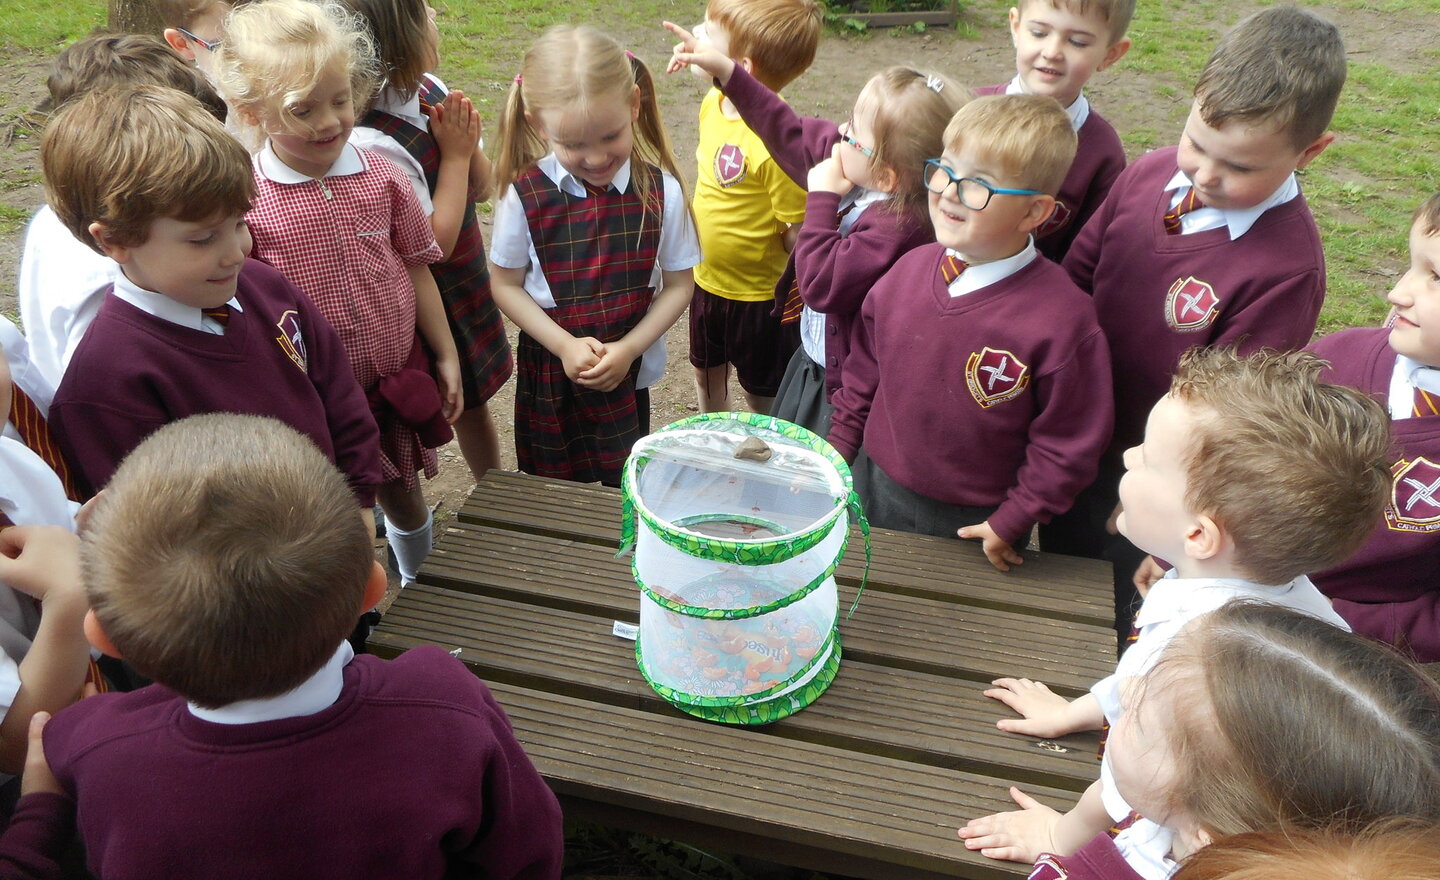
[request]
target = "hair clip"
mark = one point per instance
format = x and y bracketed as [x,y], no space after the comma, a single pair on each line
[518,79]
[630,55]
[934,83]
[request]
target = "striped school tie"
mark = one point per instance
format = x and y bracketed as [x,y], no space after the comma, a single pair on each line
[35,433]
[1190,202]
[952,267]
[1426,404]
[220,315]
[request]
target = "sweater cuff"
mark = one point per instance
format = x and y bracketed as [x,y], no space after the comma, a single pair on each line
[1009,524]
[822,209]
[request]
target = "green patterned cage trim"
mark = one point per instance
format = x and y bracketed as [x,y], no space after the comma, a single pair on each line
[759,552]
[751,709]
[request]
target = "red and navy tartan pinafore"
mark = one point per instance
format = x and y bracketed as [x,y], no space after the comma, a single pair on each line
[597,253]
[463,278]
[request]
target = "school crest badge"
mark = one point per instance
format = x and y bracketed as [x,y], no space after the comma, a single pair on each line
[729,165]
[1059,218]
[1414,497]
[1191,305]
[291,339]
[995,376]
[1047,868]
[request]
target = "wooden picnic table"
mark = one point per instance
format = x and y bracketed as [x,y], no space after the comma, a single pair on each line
[869,781]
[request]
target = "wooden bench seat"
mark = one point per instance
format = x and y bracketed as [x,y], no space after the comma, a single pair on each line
[809,805]
[923,718]
[1047,585]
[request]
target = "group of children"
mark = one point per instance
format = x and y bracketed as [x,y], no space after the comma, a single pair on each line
[994,319]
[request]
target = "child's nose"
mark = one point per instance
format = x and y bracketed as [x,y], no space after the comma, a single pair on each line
[1400,294]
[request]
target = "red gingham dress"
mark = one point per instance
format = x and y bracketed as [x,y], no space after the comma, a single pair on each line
[346,240]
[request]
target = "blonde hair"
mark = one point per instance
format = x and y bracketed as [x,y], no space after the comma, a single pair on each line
[105,61]
[1295,470]
[1029,135]
[572,67]
[274,52]
[1281,66]
[912,108]
[1428,215]
[1282,720]
[1115,13]
[226,559]
[124,158]
[1391,849]
[778,36]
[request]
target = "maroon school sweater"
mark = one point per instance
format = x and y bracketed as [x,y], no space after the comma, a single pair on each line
[1097,860]
[998,398]
[834,272]
[1157,295]
[1390,588]
[413,772]
[1099,159]
[278,357]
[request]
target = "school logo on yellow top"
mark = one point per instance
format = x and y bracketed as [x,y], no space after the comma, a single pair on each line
[1414,496]
[729,165]
[291,339]
[995,376]
[1191,305]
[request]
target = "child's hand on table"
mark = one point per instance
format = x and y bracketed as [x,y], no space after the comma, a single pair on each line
[997,551]
[692,50]
[1018,836]
[1044,712]
[611,369]
[828,176]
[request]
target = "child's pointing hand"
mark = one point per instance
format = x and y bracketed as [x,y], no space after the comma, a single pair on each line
[694,50]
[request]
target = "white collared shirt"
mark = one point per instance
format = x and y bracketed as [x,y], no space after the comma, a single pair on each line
[512,247]
[981,275]
[274,168]
[406,110]
[59,291]
[167,309]
[1407,376]
[812,323]
[1078,111]
[1146,847]
[314,694]
[1239,221]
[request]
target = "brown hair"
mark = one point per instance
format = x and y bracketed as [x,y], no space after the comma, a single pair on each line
[1115,13]
[399,29]
[1030,136]
[183,13]
[572,66]
[1295,470]
[274,52]
[912,109]
[1283,720]
[125,157]
[778,36]
[1428,215]
[1281,66]
[104,61]
[226,559]
[1393,849]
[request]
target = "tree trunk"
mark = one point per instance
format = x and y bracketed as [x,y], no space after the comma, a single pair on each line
[134,17]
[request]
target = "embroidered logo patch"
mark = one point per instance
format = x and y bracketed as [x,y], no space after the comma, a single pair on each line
[995,376]
[1414,497]
[729,165]
[1058,220]
[291,340]
[1047,868]
[1191,305]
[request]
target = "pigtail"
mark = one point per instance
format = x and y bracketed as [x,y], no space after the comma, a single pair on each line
[520,145]
[652,144]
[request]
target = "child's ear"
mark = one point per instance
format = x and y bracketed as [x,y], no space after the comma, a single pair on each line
[374,588]
[1014,24]
[1116,51]
[635,104]
[885,177]
[96,635]
[101,235]
[534,122]
[1317,147]
[181,45]
[1041,207]
[1205,539]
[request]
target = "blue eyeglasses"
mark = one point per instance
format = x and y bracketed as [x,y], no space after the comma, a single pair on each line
[865,151]
[209,45]
[974,194]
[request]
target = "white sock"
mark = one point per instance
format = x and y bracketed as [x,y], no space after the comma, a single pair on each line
[410,547]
